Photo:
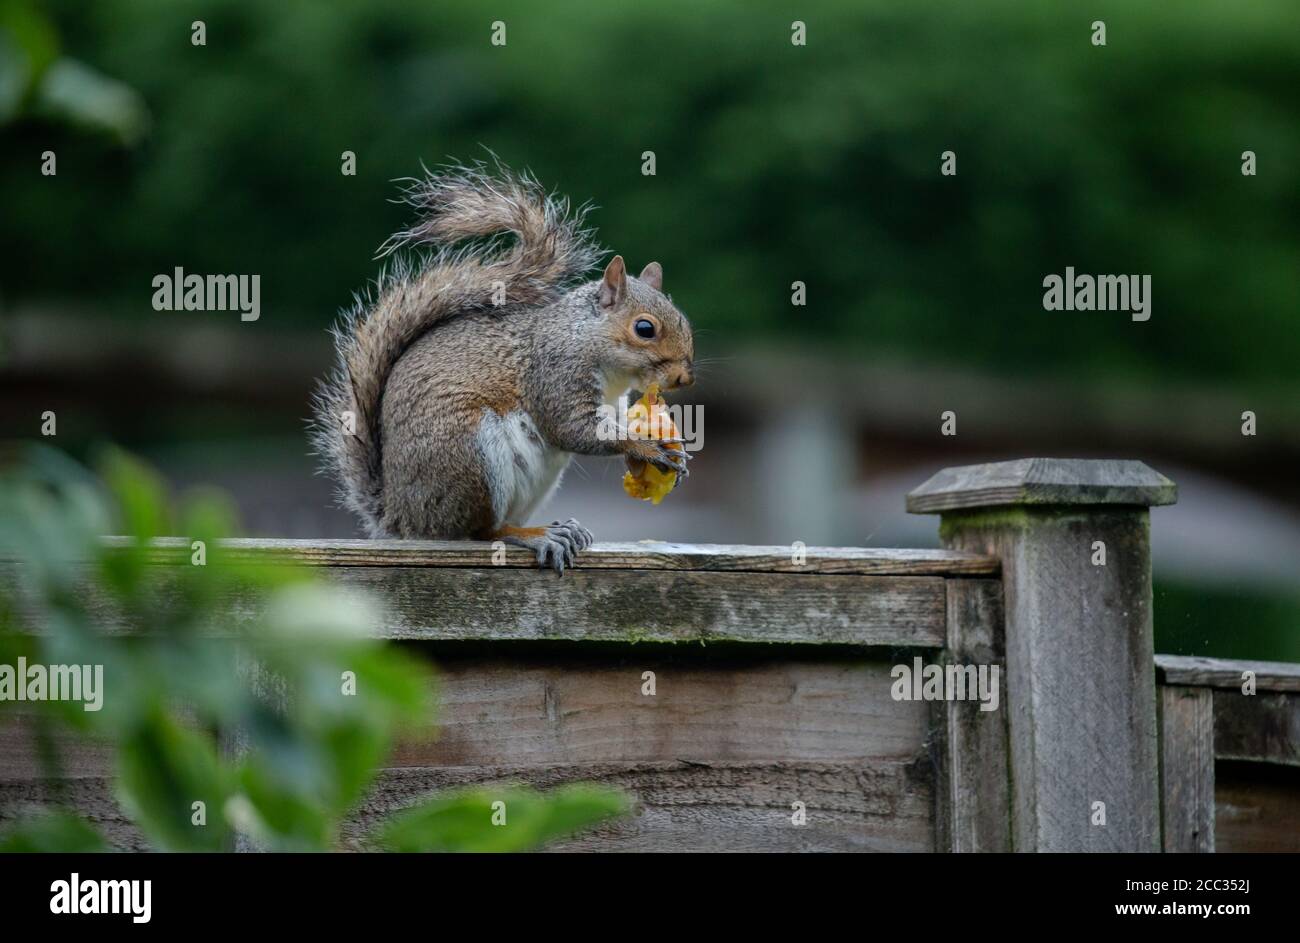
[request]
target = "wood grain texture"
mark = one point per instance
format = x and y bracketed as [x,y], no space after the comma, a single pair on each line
[547,711]
[643,555]
[1043,481]
[714,759]
[1263,728]
[1080,686]
[969,745]
[881,805]
[437,603]
[1283,676]
[1187,769]
[1257,808]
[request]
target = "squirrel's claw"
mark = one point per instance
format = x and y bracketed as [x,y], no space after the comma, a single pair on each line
[564,541]
[674,460]
[558,550]
[582,538]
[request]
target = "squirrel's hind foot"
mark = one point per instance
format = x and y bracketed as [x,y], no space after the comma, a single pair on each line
[556,546]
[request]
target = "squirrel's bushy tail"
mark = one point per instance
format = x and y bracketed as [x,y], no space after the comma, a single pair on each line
[551,249]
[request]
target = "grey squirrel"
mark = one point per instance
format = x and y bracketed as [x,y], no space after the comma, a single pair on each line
[467,382]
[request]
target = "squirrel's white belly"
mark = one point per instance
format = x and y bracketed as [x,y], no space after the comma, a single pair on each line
[522,469]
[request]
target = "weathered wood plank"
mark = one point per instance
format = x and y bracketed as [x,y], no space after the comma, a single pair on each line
[548,711]
[716,757]
[1187,769]
[1262,728]
[972,782]
[543,710]
[667,606]
[1257,808]
[1227,673]
[503,604]
[879,805]
[643,555]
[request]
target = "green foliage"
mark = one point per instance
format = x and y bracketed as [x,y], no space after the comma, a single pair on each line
[36,81]
[775,162]
[57,832]
[315,702]
[455,824]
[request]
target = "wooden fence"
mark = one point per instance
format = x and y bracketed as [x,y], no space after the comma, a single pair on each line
[776,720]
[1229,754]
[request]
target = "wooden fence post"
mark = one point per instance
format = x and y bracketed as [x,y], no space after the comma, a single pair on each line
[1073,538]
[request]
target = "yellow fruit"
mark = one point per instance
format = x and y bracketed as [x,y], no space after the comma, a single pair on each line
[648,419]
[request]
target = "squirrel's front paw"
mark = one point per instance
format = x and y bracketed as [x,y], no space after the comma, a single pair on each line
[658,454]
[558,544]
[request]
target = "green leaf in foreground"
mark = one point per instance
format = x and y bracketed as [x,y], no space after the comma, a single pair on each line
[310,700]
[164,770]
[59,832]
[512,819]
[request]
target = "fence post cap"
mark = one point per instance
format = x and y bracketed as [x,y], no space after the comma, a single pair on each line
[1043,481]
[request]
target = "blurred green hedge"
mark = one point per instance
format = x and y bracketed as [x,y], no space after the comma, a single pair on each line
[775,163]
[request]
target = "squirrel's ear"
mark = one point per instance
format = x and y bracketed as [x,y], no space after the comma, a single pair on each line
[653,275]
[614,288]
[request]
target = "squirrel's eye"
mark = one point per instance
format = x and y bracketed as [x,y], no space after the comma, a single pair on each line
[644,328]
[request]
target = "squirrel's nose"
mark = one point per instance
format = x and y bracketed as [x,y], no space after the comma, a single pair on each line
[685,377]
